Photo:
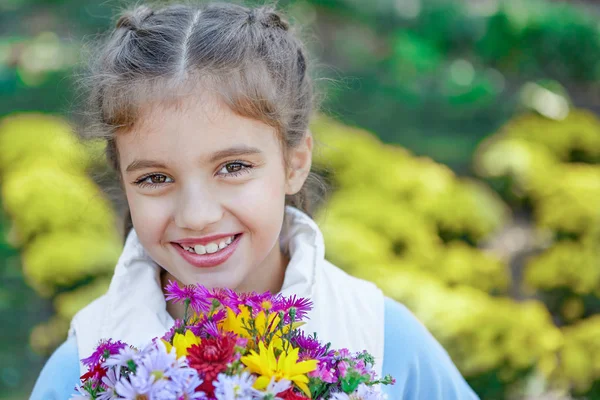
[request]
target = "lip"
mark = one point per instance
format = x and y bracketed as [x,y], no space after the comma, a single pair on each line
[203,240]
[208,260]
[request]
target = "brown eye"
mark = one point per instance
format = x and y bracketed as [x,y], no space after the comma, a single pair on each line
[233,167]
[157,178]
[153,180]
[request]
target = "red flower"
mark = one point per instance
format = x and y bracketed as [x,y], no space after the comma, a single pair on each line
[210,358]
[96,374]
[289,394]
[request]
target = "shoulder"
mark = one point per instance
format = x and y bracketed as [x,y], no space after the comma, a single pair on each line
[60,375]
[420,365]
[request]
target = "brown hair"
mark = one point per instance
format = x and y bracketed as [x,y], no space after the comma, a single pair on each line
[249,56]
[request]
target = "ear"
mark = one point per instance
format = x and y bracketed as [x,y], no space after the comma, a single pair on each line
[300,160]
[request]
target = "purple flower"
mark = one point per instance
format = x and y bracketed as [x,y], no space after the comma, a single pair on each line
[226,297]
[109,382]
[171,332]
[197,295]
[300,305]
[159,375]
[105,349]
[206,324]
[311,348]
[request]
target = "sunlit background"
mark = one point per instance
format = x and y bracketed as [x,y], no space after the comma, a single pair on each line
[463,144]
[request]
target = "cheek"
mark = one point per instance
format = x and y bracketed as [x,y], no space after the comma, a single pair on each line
[260,204]
[148,216]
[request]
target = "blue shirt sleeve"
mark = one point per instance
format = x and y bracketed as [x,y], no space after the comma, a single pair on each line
[420,365]
[60,375]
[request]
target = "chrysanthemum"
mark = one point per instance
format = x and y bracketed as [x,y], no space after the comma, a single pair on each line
[210,358]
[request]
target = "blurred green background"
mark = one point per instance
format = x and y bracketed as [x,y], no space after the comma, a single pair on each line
[462,143]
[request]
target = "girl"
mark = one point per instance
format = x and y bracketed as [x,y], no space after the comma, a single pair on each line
[206,110]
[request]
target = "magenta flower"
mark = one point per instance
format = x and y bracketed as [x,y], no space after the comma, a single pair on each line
[197,295]
[311,348]
[301,307]
[105,349]
[226,297]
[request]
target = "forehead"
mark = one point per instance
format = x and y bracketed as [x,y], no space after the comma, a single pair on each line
[193,126]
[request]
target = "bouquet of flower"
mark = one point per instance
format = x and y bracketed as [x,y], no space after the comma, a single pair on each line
[231,346]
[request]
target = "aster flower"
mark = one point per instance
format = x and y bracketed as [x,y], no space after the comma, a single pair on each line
[109,382]
[104,350]
[206,325]
[260,301]
[177,327]
[363,392]
[237,387]
[81,394]
[195,294]
[275,387]
[226,297]
[300,307]
[126,354]
[311,348]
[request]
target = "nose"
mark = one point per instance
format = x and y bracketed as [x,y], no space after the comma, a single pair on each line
[197,208]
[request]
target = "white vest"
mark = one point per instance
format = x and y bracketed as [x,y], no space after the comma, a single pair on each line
[348,312]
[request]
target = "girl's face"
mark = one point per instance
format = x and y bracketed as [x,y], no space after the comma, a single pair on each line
[206,190]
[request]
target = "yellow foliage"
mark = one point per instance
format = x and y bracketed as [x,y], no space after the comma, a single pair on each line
[530,166]
[566,264]
[571,202]
[27,137]
[63,258]
[580,356]
[68,303]
[41,200]
[482,333]
[579,132]
[460,263]
[45,337]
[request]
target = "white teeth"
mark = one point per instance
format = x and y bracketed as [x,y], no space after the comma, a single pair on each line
[212,248]
[199,249]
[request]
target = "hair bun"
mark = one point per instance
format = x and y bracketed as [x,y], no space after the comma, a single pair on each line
[272,20]
[133,19]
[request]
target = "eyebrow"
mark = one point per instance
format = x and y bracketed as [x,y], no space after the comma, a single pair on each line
[234,151]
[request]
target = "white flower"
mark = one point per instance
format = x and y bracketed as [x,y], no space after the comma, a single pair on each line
[234,387]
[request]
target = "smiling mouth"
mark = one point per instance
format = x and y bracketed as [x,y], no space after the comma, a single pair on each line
[210,248]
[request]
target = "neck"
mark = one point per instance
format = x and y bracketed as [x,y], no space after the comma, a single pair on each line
[270,279]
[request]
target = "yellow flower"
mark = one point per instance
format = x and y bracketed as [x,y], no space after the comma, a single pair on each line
[182,343]
[265,364]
